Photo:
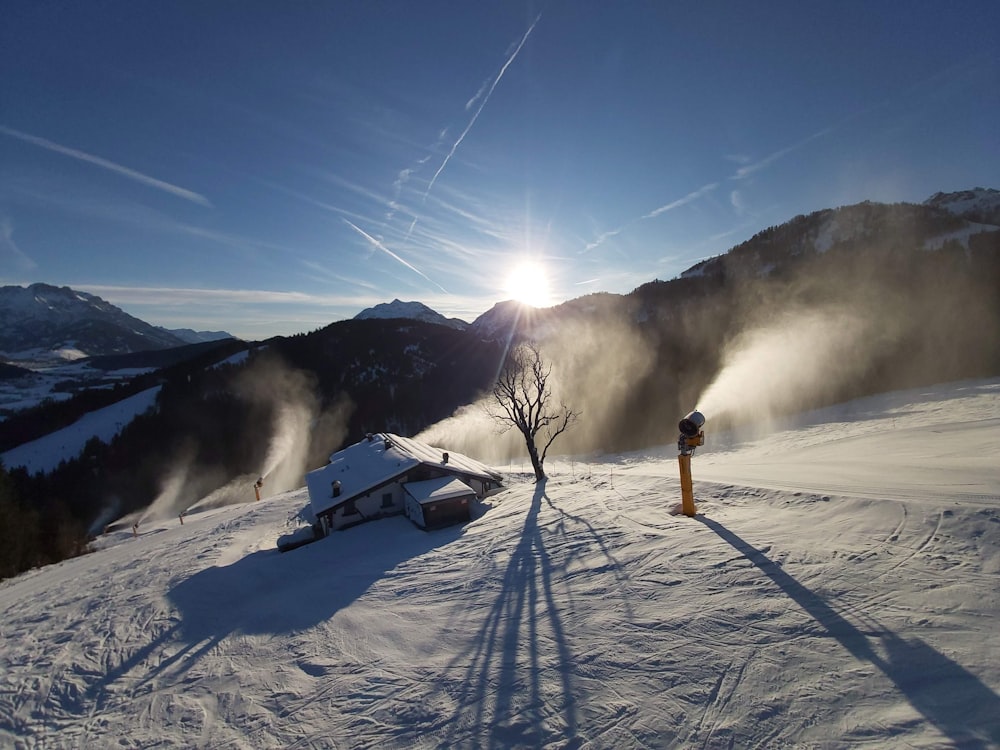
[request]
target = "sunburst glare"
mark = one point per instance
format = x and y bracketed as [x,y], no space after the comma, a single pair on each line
[528,283]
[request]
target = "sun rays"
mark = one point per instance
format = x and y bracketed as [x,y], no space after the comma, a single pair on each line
[528,283]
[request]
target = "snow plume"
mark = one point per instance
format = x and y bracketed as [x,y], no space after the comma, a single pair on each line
[290,397]
[171,499]
[472,431]
[286,455]
[801,359]
[108,514]
[597,369]
[238,490]
[301,439]
[297,431]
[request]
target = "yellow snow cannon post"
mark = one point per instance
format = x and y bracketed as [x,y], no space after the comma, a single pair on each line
[690,438]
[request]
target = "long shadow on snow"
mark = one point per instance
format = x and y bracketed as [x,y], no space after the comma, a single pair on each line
[272,593]
[950,697]
[503,670]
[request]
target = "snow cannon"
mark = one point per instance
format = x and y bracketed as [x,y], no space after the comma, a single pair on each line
[692,435]
[690,426]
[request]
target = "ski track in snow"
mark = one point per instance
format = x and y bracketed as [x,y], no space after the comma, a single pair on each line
[794,610]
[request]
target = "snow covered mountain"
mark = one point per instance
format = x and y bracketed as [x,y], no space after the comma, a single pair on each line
[979,204]
[499,320]
[874,232]
[41,320]
[835,590]
[409,311]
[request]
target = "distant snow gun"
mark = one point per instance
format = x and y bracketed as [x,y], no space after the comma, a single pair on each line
[692,435]
[256,487]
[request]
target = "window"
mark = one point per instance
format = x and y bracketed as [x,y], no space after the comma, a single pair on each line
[387,500]
[349,509]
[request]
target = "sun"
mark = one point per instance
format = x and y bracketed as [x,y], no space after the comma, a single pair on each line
[528,284]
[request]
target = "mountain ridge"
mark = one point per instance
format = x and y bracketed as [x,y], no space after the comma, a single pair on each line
[46,321]
[409,311]
[49,321]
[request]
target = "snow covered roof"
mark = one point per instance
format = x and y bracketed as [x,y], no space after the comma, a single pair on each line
[434,490]
[379,459]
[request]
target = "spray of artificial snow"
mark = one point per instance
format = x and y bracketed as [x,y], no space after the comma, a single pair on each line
[170,497]
[795,362]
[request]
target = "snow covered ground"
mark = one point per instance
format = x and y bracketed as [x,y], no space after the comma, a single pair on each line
[839,588]
[45,453]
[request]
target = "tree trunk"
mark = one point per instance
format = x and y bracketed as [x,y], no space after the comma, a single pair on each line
[536,462]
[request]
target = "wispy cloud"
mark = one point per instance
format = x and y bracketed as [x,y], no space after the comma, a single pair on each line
[181,296]
[258,313]
[483,100]
[321,271]
[129,213]
[7,244]
[248,313]
[381,246]
[738,202]
[108,165]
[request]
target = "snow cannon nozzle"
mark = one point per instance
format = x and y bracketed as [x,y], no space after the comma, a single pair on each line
[691,425]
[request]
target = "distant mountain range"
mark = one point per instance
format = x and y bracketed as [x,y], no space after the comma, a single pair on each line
[42,320]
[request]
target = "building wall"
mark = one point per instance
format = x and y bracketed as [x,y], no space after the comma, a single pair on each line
[440,513]
[414,512]
[448,512]
[372,506]
[385,501]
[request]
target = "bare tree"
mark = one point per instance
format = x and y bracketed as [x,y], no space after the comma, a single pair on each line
[524,398]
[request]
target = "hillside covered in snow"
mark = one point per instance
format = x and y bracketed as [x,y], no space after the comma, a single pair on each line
[838,588]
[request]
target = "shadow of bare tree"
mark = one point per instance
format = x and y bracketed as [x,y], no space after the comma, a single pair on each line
[518,686]
[950,697]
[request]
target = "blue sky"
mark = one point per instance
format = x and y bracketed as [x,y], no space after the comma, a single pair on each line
[269,168]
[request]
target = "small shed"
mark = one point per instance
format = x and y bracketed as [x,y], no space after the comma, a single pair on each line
[435,503]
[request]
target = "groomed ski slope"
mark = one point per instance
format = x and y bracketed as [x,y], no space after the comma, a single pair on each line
[839,588]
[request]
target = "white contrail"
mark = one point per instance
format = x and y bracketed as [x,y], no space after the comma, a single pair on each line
[692,196]
[377,244]
[109,165]
[747,170]
[482,104]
